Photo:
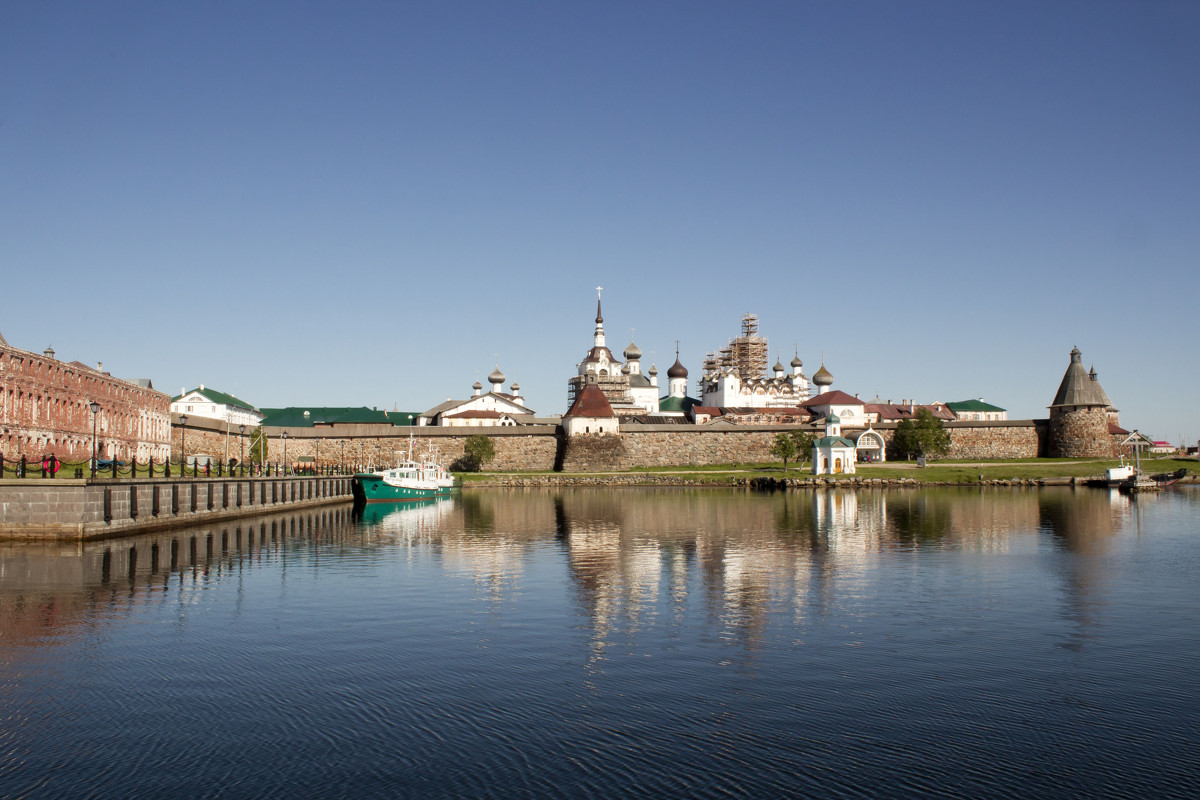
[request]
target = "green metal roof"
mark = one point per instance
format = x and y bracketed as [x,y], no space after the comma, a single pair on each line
[972,405]
[833,441]
[213,396]
[294,416]
[673,403]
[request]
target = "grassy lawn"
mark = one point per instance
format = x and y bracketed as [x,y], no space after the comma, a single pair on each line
[936,472]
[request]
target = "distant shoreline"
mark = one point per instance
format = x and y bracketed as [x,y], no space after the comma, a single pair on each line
[1022,472]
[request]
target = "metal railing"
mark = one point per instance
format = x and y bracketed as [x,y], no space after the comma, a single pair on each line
[50,467]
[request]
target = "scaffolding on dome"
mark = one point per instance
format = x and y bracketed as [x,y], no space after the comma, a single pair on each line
[746,353]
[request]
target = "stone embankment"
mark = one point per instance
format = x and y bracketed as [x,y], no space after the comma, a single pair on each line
[95,509]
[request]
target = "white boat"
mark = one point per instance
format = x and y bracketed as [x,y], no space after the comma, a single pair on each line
[1120,475]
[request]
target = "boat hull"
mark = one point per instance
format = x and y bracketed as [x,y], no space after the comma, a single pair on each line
[372,489]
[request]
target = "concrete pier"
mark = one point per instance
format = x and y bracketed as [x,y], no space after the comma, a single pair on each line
[95,509]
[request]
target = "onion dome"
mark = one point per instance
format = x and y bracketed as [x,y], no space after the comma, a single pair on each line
[516,388]
[477,386]
[677,370]
[778,365]
[823,377]
[633,352]
[653,370]
[833,419]
[796,362]
[497,377]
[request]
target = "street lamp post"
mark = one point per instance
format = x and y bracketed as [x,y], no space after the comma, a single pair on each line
[182,448]
[95,409]
[242,443]
[283,436]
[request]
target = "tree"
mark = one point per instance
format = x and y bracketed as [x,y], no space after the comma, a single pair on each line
[258,446]
[477,451]
[804,445]
[923,435]
[784,447]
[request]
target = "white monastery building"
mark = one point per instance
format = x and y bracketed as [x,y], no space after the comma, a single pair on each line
[481,410]
[211,404]
[737,376]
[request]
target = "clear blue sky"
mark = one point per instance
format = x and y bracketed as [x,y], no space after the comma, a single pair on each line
[361,203]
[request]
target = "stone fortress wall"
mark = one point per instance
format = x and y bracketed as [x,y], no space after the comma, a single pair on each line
[544,448]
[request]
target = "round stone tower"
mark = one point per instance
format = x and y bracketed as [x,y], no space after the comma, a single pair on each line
[1079,415]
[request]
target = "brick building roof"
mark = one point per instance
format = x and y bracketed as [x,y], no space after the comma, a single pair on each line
[591,402]
[890,412]
[832,397]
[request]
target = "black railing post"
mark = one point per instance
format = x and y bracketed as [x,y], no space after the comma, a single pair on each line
[167,467]
[21,469]
[114,466]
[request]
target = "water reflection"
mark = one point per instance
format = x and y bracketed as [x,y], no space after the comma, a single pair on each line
[50,588]
[632,559]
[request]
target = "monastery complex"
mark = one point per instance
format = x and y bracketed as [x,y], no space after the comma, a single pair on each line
[617,416]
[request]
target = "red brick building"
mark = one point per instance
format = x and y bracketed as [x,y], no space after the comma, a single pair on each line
[44,408]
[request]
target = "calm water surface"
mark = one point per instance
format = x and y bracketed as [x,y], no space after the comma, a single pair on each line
[633,643]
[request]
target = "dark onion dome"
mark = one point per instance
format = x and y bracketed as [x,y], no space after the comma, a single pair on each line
[497,376]
[796,362]
[823,377]
[677,370]
[633,352]
[477,385]
[516,387]
[778,366]
[653,370]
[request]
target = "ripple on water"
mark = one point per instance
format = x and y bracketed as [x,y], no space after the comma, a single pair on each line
[626,645]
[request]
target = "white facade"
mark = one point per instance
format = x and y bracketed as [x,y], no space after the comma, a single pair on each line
[590,426]
[643,388]
[206,403]
[479,410]
[832,454]
[850,410]
[870,446]
[727,388]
